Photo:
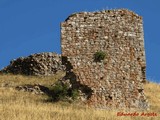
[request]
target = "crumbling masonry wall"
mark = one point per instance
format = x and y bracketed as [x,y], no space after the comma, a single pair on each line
[39,64]
[117,81]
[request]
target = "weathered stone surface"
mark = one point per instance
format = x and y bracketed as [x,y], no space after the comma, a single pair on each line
[117,81]
[40,64]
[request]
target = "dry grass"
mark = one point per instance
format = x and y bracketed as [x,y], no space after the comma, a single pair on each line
[152,91]
[15,105]
[14,80]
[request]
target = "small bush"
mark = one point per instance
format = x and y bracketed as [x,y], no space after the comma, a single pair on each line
[62,92]
[99,56]
[59,91]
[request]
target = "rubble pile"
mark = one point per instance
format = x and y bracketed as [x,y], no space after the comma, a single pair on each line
[39,64]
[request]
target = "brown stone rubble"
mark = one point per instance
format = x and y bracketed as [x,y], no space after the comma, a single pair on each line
[39,64]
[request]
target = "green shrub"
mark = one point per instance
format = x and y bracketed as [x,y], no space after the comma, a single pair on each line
[62,92]
[74,94]
[99,56]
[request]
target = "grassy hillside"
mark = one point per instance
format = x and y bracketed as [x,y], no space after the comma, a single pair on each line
[17,105]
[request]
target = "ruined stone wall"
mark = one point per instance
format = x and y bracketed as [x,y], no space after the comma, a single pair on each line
[39,64]
[117,81]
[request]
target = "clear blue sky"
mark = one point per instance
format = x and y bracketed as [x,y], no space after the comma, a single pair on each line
[32,26]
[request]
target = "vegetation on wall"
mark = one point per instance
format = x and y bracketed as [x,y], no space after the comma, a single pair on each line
[99,56]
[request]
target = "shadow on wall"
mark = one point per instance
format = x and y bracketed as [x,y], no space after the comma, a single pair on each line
[71,76]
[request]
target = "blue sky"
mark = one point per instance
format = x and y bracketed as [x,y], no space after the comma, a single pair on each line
[33,26]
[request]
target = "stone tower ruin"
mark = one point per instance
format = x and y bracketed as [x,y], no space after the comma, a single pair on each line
[116,81]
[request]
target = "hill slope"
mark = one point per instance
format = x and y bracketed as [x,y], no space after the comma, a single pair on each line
[18,105]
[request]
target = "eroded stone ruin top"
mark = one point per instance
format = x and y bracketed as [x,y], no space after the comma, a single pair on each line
[109,13]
